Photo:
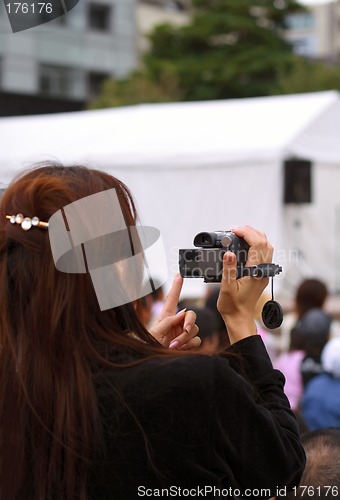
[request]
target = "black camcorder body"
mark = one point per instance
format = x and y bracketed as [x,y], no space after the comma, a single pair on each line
[206,261]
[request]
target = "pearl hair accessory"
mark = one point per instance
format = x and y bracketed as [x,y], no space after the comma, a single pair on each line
[26,222]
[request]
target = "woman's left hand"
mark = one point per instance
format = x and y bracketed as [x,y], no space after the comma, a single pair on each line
[176,331]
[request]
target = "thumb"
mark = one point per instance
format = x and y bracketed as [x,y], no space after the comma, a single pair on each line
[229,269]
[228,290]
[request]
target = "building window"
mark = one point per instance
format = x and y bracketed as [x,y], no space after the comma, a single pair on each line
[99,17]
[95,83]
[54,81]
[300,21]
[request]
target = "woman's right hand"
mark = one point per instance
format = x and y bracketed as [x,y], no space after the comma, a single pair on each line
[238,297]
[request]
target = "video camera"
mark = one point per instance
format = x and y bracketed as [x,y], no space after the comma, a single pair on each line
[207,261]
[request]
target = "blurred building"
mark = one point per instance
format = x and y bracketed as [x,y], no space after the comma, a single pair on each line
[151,13]
[316,33]
[59,66]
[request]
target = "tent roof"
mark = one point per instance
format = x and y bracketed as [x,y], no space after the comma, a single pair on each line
[178,134]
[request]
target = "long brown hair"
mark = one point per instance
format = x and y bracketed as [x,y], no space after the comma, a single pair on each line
[52,334]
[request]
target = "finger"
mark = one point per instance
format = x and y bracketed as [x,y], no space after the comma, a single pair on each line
[261,251]
[229,270]
[192,343]
[171,302]
[251,235]
[169,326]
[189,320]
[184,338]
[228,283]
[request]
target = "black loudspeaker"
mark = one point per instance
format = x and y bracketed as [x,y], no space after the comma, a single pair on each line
[297,181]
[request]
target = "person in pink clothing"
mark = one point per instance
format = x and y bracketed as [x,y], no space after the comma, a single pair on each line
[289,363]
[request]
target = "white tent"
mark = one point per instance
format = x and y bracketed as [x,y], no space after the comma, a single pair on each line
[204,166]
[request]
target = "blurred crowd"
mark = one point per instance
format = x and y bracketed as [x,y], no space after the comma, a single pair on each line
[306,348]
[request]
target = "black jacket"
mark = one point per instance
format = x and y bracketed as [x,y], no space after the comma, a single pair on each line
[195,423]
